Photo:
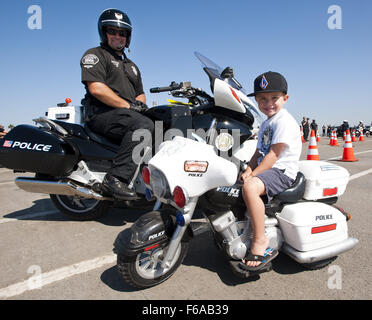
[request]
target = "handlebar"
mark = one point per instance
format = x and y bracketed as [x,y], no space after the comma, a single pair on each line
[184,90]
[173,86]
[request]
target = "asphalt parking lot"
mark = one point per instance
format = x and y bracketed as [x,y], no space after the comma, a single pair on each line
[44,255]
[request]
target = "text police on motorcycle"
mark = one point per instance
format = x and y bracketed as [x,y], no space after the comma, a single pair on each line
[115,97]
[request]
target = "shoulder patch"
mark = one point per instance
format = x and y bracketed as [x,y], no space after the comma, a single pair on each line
[90,59]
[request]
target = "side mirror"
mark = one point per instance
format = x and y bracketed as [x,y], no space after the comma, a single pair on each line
[227,73]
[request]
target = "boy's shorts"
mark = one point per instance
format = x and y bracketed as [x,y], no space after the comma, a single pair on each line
[275,181]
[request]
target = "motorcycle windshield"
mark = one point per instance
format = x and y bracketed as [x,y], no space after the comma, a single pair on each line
[215,71]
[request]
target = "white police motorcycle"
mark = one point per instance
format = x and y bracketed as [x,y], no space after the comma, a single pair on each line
[185,175]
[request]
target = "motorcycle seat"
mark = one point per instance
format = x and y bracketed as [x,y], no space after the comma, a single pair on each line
[291,195]
[100,139]
[295,192]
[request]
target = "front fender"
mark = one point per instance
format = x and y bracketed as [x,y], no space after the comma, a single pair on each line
[153,228]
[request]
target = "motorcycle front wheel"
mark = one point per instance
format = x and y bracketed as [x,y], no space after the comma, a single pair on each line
[79,208]
[144,270]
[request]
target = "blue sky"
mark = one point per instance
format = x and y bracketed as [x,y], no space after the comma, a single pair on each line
[328,71]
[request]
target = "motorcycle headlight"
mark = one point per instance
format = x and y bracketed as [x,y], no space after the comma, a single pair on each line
[159,184]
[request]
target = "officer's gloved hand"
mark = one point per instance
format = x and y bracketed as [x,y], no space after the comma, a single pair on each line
[138,106]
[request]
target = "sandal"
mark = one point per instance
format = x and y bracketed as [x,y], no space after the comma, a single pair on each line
[268,256]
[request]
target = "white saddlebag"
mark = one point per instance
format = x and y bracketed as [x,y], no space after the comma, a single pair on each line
[323,179]
[312,225]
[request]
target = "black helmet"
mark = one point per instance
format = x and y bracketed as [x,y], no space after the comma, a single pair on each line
[114,18]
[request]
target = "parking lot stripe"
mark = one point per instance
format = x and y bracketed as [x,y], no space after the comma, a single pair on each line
[339,157]
[360,174]
[43,279]
[7,182]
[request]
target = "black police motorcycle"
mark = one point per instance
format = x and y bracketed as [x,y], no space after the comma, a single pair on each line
[69,160]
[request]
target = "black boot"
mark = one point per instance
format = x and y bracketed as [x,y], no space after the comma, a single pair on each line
[118,189]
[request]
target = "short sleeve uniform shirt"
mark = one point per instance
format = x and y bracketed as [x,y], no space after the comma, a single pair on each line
[102,64]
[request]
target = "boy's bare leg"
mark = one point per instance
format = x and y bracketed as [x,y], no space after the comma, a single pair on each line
[252,190]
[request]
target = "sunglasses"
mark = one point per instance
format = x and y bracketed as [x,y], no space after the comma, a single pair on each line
[121,33]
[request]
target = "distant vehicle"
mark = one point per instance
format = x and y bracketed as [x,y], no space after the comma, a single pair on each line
[366,131]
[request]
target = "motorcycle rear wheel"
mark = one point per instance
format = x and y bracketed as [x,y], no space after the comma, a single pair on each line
[144,270]
[79,208]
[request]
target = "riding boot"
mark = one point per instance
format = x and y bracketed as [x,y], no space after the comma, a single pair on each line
[118,189]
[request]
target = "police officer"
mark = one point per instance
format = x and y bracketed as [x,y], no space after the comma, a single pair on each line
[305,127]
[344,126]
[314,126]
[115,98]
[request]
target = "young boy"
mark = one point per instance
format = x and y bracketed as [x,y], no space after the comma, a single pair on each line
[274,166]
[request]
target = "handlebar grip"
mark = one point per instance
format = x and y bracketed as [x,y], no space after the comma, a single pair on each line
[160,89]
[173,86]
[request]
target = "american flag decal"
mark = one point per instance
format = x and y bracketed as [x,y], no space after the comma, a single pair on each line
[7,143]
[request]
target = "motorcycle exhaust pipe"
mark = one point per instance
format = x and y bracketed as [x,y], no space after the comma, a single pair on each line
[319,254]
[56,187]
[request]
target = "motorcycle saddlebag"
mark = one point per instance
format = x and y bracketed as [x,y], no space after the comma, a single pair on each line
[33,149]
[323,179]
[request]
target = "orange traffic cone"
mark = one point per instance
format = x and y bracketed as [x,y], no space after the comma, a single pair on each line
[344,137]
[332,139]
[335,141]
[302,135]
[348,154]
[361,137]
[312,152]
[317,135]
[353,138]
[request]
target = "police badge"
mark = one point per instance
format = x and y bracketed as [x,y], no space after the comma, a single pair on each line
[118,16]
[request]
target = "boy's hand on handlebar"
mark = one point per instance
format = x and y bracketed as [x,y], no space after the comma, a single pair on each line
[247,174]
[138,106]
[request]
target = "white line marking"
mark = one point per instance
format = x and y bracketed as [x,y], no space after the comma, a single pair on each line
[360,174]
[29,216]
[7,182]
[340,157]
[57,275]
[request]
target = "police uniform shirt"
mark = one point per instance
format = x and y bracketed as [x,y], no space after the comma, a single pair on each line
[120,74]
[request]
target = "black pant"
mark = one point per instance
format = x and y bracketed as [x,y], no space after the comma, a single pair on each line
[119,125]
[306,133]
